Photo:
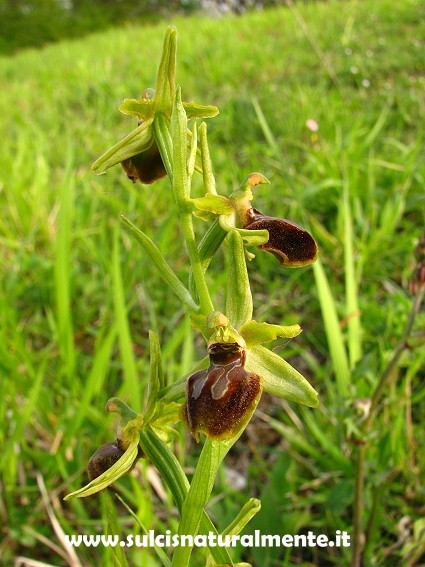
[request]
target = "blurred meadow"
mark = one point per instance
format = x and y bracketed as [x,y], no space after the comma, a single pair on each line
[327,100]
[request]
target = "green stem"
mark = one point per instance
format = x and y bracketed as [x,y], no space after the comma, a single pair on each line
[200,490]
[173,149]
[205,302]
[210,243]
[169,467]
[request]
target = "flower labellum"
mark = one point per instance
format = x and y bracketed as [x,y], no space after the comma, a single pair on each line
[106,456]
[220,400]
[145,167]
[103,459]
[292,245]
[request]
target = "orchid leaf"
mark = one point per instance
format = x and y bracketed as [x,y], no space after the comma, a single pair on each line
[164,269]
[279,377]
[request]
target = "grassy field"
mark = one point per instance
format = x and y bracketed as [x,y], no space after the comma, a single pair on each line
[77,297]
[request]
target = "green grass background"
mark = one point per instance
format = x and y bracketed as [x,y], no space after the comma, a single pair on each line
[77,297]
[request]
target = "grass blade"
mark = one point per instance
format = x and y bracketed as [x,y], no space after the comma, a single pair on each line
[62,270]
[351,287]
[333,330]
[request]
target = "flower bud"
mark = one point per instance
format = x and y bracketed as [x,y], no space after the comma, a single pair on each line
[220,400]
[289,243]
[103,459]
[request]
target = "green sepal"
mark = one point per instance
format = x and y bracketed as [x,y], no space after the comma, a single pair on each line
[238,292]
[139,140]
[280,379]
[258,333]
[163,267]
[119,469]
[162,134]
[194,110]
